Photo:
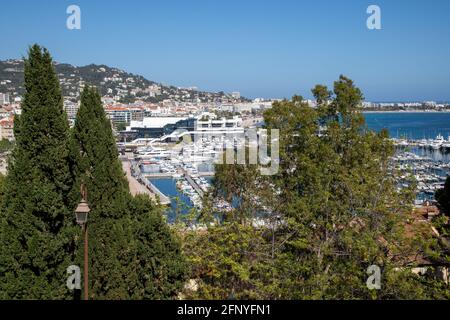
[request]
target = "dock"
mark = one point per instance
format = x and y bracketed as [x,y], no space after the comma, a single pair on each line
[169,175]
[157,175]
[193,184]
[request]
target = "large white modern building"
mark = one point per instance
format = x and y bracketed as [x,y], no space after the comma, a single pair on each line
[205,124]
[209,123]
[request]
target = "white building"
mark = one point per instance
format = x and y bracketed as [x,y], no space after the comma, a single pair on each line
[208,123]
[71,109]
[236,95]
[4,98]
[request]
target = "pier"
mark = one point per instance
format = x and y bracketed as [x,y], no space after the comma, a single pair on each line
[193,184]
[157,175]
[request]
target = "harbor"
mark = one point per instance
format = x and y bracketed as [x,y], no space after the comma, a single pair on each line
[425,162]
[184,169]
[439,143]
[179,174]
[428,174]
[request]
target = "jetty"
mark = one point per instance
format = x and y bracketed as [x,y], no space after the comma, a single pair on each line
[193,184]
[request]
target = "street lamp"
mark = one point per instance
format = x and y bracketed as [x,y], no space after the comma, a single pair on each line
[81,212]
[81,215]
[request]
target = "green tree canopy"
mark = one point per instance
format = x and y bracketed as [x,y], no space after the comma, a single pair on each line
[36,225]
[332,210]
[132,253]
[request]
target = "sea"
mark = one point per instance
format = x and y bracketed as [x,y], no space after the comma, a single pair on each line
[180,203]
[409,125]
[414,126]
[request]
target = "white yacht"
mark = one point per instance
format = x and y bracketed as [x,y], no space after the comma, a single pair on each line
[438,142]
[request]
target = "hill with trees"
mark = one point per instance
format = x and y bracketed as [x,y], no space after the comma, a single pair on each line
[123,86]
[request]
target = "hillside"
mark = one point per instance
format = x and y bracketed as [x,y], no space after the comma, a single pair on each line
[117,84]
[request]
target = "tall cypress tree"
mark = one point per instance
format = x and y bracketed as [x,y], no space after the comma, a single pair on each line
[123,231]
[95,164]
[94,157]
[36,225]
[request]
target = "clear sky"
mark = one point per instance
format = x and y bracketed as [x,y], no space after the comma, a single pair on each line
[262,48]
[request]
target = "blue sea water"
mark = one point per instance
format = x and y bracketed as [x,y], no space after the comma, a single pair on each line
[169,188]
[411,125]
[414,125]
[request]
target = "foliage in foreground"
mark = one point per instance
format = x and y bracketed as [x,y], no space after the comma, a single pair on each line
[133,254]
[331,211]
[36,226]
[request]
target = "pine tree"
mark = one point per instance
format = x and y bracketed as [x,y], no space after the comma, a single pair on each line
[36,226]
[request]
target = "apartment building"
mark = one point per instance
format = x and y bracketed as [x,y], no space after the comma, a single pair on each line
[7,129]
[4,98]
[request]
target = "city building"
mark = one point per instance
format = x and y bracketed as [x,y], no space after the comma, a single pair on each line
[4,98]
[7,129]
[205,125]
[156,127]
[118,114]
[208,123]
[4,112]
[71,109]
[236,95]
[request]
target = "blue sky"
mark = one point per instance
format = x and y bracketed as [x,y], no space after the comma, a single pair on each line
[261,48]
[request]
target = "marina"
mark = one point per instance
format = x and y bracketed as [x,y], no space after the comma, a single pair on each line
[426,160]
[428,174]
[176,173]
[181,174]
[422,143]
[439,143]
[184,170]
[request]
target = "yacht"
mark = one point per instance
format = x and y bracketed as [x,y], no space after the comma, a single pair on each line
[423,143]
[438,142]
[446,143]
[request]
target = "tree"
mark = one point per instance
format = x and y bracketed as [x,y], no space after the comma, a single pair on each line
[443,197]
[442,224]
[342,209]
[132,253]
[94,157]
[5,145]
[331,211]
[2,188]
[36,226]
[159,267]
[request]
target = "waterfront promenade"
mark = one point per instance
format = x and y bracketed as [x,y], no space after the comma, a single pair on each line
[138,188]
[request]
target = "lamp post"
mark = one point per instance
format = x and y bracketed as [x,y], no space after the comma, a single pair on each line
[81,215]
